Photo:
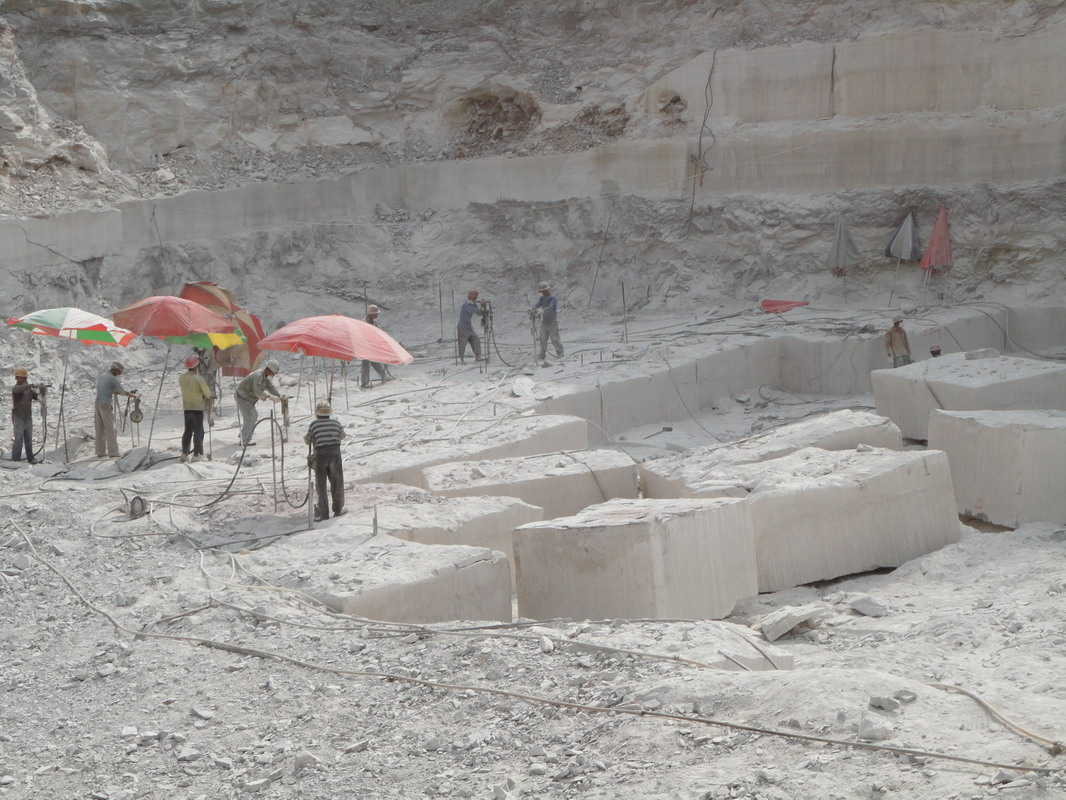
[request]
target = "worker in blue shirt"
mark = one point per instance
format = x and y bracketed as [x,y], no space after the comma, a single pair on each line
[464,330]
[547,308]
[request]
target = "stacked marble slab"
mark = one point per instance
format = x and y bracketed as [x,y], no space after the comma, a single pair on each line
[1007,466]
[345,566]
[978,380]
[518,436]
[561,483]
[819,514]
[637,559]
[839,430]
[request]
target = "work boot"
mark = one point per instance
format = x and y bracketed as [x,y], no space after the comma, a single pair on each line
[197,457]
[184,457]
[340,513]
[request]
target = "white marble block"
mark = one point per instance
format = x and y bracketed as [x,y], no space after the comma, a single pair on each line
[821,514]
[838,430]
[384,578]
[966,382]
[1007,467]
[637,558]
[560,483]
[518,436]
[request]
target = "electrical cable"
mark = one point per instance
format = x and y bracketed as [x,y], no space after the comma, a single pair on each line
[532,699]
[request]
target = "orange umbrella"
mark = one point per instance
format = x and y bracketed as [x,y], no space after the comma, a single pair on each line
[237,360]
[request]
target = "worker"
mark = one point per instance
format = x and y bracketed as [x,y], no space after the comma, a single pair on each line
[108,386]
[195,394]
[548,308]
[364,375]
[255,387]
[464,330]
[896,344]
[325,434]
[22,397]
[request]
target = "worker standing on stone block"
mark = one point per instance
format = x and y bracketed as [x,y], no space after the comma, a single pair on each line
[464,330]
[257,386]
[364,374]
[195,394]
[547,307]
[896,345]
[325,434]
[22,397]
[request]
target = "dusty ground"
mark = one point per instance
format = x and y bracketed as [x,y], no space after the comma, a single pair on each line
[243,687]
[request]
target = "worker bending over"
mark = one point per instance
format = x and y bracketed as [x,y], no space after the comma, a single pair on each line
[325,434]
[257,386]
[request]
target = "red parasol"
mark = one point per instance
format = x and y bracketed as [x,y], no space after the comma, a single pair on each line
[164,315]
[781,306]
[337,336]
[938,254]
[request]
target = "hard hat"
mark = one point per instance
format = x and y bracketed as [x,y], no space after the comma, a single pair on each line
[20,372]
[117,365]
[897,319]
[192,362]
[373,310]
[544,287]
[472,294]
[323,409]
[273,366]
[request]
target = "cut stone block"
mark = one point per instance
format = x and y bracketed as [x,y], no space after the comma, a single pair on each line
[956,382]
[560,483]
[1007,466]
[637,558]
[383,578]
[520,436]
[821,514]
[839,430]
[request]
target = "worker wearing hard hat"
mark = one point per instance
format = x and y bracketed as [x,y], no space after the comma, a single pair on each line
[22,397]
[195,393]
[325,434]
[255,387]
[546,308]
[896,345]
[364,372]
[108,386]
[464,329]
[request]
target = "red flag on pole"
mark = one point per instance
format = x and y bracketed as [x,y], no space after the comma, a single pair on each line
[938,253]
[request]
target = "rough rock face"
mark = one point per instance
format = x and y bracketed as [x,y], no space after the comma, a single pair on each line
[221,93]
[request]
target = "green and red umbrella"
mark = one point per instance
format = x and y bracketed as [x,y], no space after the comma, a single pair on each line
[75,324]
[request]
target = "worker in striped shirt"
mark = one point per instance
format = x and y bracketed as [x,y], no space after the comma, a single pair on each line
[325,433]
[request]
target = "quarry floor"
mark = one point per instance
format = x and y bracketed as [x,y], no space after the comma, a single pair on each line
[123,680]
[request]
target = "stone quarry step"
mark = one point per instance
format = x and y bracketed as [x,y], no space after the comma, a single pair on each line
[1007,466]
[519,436]
[637,558]
[561,483]
[972,381]
[380,577]
[820,514]
[839,430]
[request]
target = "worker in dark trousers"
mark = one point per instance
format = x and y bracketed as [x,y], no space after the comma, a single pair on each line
[325,433]
[22,395]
